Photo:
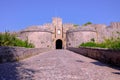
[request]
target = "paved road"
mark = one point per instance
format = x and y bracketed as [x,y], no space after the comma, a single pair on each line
[58,65]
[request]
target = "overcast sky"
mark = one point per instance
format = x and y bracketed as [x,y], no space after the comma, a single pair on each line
[19,14]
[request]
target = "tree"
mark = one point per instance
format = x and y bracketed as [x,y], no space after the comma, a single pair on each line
[88,23]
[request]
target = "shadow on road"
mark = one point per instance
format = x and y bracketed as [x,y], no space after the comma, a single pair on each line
[108,65]
[99,63]
[116,73]
[80,61]
[12,70]
[8,71]
[15,71]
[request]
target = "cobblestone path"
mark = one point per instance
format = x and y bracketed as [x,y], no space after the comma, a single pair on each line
[58,65]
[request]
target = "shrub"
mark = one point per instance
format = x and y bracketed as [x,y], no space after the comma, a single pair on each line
[88,23]
[108,43]
[7,39]
[113,43]
[88,44]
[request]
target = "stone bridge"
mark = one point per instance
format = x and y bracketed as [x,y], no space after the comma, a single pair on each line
[58,65]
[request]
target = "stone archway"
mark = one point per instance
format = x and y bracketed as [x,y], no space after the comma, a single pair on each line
[59,44]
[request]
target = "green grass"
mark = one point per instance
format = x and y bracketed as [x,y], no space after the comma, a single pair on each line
[7,39]
[108,43]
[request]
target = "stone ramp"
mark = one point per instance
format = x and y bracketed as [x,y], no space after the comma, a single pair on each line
[58,65]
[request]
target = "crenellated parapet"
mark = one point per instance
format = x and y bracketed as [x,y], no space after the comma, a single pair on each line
[115,25]
[56,21]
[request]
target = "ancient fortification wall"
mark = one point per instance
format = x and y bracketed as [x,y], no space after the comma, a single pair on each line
[113,30]
[71,35]
[41,38]
[98,32]
[76,37]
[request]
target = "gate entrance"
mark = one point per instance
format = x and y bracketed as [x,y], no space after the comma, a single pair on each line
[58,44]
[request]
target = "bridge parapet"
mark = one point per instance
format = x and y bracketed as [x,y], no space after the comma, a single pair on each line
[104,55]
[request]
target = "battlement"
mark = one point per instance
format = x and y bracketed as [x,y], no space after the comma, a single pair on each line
[56,21]
[57,18]
[115,24]
[81,29]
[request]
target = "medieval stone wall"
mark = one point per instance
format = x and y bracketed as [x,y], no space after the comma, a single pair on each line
[99,32]
[75,38]
[71,35]
[114,30]
[49,26]
[41,38]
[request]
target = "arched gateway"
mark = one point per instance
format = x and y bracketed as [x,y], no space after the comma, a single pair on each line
[59,44]
[58,34]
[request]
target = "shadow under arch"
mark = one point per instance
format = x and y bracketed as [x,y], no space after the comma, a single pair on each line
[59,44]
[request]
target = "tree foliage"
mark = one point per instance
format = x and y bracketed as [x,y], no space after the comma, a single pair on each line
[7,39]
[88,23]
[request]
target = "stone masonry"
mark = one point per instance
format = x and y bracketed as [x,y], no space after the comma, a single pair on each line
[59,35]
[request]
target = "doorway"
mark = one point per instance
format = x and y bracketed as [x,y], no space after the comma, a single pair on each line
[59,44]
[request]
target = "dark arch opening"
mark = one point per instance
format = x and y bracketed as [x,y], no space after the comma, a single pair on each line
[58,44]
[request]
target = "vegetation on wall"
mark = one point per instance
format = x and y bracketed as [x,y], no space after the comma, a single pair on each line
[88,23]
[108,43]
[7,39]
[76,25]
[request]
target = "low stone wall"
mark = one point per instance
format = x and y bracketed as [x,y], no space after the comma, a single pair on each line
[10,54]
[103,55]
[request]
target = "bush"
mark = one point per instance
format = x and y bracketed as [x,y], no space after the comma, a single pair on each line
[88,23]
[113,43]
[88,44]
[8,39]
[108,43]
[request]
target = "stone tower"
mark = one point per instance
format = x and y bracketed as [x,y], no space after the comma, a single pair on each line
[58,33]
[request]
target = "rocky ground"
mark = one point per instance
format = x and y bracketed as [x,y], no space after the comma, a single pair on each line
[58,65]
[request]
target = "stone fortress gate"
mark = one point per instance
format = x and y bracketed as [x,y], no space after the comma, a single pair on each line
[57,35]
[59,41]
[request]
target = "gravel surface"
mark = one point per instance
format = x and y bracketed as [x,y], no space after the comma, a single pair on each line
[58,65]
